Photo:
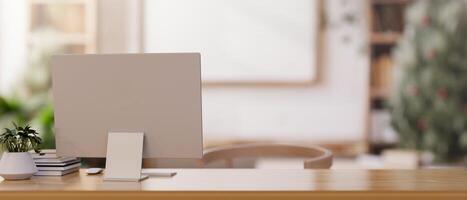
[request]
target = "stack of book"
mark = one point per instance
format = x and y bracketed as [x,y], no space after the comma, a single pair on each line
[49,164]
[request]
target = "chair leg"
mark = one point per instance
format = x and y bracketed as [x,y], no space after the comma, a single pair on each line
[229,163]
[200,164]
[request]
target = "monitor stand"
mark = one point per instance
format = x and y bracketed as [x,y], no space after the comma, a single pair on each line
[124,157]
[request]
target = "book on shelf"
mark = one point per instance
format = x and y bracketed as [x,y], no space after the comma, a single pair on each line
[382,72]
[401,159]
[49,163]
[57,164]
[50,156]
[56,173]
[57,168]
[56,160]
[388,18]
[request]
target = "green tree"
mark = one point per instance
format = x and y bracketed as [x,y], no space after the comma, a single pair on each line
[429,108]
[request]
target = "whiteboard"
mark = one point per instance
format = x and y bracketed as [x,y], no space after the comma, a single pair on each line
[239,40]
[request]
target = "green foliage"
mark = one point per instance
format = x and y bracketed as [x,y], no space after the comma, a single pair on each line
[45,119]
[11,110]
[429,110]
[36,110]
[30,102]
[20,139]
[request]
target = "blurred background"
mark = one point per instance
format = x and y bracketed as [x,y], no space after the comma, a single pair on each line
[382,83]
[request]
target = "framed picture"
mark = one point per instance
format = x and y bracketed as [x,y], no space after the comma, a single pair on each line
[242,42]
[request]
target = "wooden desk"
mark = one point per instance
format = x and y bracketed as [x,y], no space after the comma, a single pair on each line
[240,183]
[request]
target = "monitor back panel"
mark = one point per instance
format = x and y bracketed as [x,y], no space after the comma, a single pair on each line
[158,94]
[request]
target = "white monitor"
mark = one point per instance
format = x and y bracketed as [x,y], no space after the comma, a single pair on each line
[155,94]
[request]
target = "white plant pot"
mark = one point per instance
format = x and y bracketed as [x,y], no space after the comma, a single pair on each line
[17,166]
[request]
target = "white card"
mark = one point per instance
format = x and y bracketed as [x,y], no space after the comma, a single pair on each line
[124,156]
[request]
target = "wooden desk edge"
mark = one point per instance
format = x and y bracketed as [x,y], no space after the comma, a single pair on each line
[216,195]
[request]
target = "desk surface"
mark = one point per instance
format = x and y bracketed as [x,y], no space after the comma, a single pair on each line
[215,184]
[258,180]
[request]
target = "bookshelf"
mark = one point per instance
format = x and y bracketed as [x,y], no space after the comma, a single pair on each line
[386,25]
[71,24]
[384,38]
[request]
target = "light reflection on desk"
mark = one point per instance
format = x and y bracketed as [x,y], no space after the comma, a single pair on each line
[257,180]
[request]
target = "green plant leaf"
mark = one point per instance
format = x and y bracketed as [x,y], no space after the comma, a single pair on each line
[20,139]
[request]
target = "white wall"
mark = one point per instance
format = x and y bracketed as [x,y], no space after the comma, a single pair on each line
[118,26]
[13,28]
[333,110]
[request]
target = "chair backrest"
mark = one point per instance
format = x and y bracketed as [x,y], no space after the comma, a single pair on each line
[314,157]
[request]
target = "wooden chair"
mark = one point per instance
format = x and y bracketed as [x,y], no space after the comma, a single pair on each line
[315,157]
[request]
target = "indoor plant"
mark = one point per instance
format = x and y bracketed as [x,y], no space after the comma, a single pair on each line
[16,162]
[429,108]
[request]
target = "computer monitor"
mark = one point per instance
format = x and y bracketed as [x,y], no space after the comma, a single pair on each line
[155,94]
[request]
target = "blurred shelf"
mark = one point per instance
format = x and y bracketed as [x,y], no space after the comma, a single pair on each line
[379,93]
[386,26]
[389,2]
[378,147]
[385,38]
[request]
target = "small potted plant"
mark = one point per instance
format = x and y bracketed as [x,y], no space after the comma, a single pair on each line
[17,162]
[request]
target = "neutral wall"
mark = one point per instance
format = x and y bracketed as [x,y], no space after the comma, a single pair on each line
[13,28]
[118,26]
[333,110]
